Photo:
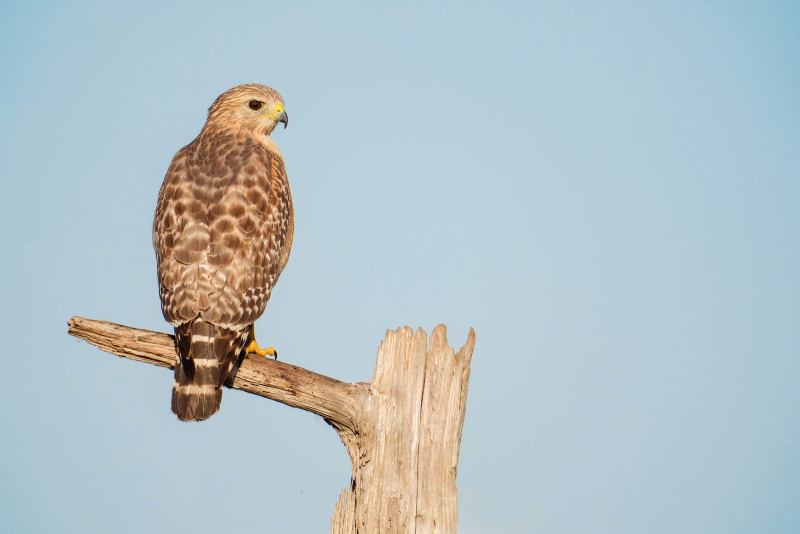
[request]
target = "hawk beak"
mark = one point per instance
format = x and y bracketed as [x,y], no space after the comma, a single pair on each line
[282,117]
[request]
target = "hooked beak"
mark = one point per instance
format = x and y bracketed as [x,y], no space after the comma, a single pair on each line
[282,117]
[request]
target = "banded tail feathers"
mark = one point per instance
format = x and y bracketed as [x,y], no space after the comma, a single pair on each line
[206,354]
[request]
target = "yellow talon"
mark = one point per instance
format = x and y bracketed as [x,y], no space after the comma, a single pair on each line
[252,347]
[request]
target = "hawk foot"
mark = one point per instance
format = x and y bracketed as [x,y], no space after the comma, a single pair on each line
[253,348]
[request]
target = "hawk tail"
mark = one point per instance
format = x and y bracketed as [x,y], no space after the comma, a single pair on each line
[206,354]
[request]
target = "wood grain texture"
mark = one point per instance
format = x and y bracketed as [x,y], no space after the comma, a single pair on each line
[408,437]
[390,461]
[442,418]
[402,429]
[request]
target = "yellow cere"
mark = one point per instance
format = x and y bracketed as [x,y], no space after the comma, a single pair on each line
[278,107]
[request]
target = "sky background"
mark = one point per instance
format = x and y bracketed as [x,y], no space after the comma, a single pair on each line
[609,193]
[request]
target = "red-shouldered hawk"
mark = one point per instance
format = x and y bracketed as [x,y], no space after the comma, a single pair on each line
[222,233]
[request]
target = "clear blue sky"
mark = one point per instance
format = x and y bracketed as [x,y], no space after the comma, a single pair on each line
[608,192]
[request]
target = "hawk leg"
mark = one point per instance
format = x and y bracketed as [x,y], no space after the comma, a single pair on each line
[252,347]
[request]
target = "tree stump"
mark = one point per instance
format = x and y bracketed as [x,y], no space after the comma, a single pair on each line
[402,429]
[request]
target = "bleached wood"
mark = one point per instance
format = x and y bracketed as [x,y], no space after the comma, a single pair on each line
[442,418]
[389,445]
[344,513]
[402,430]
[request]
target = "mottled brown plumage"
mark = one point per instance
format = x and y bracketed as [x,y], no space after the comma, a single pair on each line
[222,233]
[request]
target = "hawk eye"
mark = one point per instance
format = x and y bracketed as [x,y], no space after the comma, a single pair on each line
[255,104]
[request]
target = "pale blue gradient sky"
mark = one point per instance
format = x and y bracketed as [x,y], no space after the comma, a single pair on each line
[608,192]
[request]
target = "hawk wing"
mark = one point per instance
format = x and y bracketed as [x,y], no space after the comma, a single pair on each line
[223,220]
[222,234]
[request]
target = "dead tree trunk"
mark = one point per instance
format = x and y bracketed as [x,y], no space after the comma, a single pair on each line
[402,429]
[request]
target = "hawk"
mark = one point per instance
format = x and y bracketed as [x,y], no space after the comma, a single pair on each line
[222,233]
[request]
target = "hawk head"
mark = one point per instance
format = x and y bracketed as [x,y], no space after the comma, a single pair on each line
[251,106]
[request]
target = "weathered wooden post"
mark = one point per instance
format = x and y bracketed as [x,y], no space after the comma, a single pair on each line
[402,429]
